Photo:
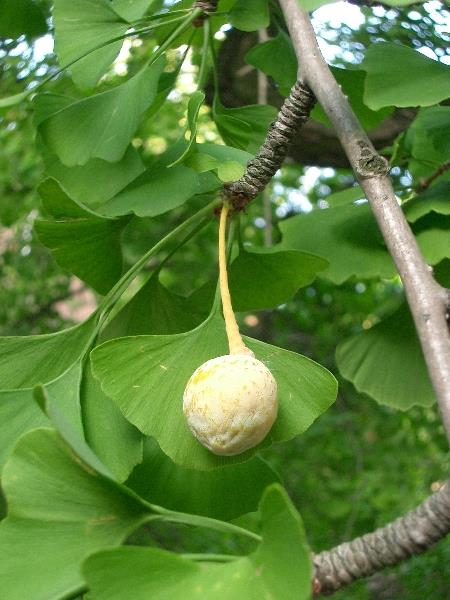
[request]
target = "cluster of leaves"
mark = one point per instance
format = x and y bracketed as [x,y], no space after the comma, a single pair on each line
[92,414]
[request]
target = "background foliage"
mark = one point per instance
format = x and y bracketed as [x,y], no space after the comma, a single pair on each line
[72,223]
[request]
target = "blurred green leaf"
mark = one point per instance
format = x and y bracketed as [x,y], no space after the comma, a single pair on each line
[230,170]
[81,241]
[131,10]
[81,26]
[352,85]
[21,17]
[146,377]
[346,196]
[268,56]
[194,105]
[436,198]
[250,15]
[279,568]
[386,362]
[101,126]
[389,80]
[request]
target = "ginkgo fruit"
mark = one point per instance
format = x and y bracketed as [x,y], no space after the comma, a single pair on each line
[230,402]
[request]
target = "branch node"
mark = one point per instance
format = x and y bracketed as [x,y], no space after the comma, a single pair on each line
[208,7]
[370,163]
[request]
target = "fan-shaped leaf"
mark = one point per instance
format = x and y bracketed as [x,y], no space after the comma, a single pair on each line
[265,279]
[386,362]
[82,26]
[146,377]
[389,82]
[81,241]
[72,512]
[279,568]
[208,493]
[101,126]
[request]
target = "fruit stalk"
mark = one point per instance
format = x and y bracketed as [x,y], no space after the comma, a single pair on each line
[235,342]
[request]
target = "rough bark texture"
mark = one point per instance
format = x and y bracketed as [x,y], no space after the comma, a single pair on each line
[411,534]
[262,168]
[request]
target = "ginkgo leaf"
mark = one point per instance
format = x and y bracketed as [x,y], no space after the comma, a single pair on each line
[268,56]
[389,82]
[208,493]
[156,191]
[131,10]
[82,26]
[21,17]
[435,199]
[244,127]
[112,438]
[280,567]
[146,377]
[72,512]
[81,241]
[250,15]
[392,351]
[101,126]
[346,236]
[186,145]
[261,279]
[98,180]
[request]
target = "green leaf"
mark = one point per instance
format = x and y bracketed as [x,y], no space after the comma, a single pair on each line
[346,196]
[18,414]
[352,84]
[113,439]
[436,199]
[279,568]
[153,310]
[71,513]
[21,17]
[146,377]
[230,170]
[250,15]
[98,180]
[81,26]
[433,236]
[81,241]
[223,153]
[201,162]
[265,279]
[346,236]
[131,10]
[311,5]
[208,493]
[386,362]
[101,126]
[268,56]
[186,145]
[29,360]
[245,127]
[51,359]
[389,80]
[154,192]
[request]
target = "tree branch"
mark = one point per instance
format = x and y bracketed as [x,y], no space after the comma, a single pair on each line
[409,535]
[427,300]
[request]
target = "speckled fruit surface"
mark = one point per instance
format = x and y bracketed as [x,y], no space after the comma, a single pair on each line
[230,403]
